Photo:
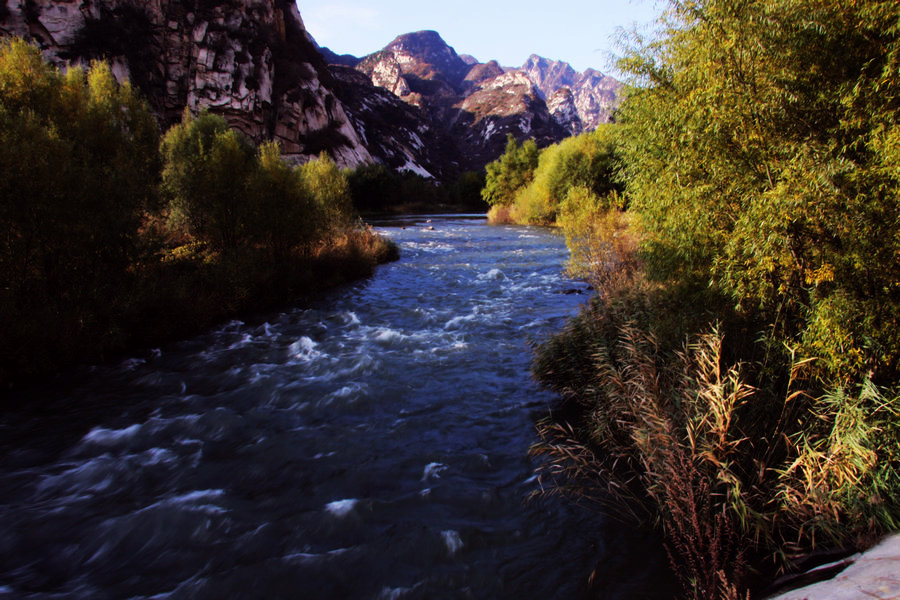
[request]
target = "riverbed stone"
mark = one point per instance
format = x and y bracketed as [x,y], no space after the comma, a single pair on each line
[875,574]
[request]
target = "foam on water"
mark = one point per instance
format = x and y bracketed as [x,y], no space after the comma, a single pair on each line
[452,541]
[111,437]
[433,471]
[304,349]
[341,508]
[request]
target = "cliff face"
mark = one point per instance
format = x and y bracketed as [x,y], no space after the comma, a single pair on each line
[397,134]
[508,103]
[250,61]
[595,95]
[561,105]
[476,105]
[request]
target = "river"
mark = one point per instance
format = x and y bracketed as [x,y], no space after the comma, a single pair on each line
[372,444]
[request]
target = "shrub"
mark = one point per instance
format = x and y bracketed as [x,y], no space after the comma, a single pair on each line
[205,178]
[284,213]
[330,191]
[759,154]
[78,171]
[509,173]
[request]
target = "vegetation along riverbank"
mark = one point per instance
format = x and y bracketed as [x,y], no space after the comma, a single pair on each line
[114,237]
[734,380]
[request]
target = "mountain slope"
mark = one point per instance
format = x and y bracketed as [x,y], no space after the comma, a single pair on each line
[594,94]
[249,60]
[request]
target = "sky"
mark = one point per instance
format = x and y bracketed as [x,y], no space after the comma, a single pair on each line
[580,32]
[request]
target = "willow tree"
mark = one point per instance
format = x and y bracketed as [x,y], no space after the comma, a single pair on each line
[78,172]
[762,150]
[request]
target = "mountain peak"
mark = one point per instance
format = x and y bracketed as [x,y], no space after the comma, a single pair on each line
[417,62]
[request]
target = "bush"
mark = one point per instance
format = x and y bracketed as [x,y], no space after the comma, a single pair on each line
[206,177]
[79,166]
[509,173]
[330,191]
[285,214]
[736,385]
[532,193]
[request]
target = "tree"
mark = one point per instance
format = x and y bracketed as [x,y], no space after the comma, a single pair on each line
[509,173]
[285,214]
[761,154]
[205,177]
[589,160]
[79,164]
[78,174]
[330,189]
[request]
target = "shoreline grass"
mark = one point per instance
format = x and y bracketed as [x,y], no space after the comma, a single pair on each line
[184,292]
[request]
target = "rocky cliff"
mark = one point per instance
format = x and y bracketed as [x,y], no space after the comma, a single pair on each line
[397,134]
[475,105]
[478,104]
[594,95]
[251,61]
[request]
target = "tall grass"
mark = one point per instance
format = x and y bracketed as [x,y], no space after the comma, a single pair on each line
[741,457]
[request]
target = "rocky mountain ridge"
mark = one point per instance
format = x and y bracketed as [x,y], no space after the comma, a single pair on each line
[478,104]
[415,106]
[420,67]
[251,61]
[595,95]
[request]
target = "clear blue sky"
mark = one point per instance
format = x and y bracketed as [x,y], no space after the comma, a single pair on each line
[580,32]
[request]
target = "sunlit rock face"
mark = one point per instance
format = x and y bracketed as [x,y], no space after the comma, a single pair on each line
[250,61]
[474,104]
[397,134]
[594,94]
[561,105]
[505,104]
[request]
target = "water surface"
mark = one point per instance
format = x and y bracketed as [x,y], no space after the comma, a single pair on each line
[371,445]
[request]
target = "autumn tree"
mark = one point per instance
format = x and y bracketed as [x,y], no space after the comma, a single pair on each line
[509,173]
[205,178]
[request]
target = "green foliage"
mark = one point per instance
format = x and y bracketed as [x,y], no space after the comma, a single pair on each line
[284,213]
[79,165]
[509,173]
[330,191]
[205,178]
[597,235]
[762,156]
[87,264]
[534,195]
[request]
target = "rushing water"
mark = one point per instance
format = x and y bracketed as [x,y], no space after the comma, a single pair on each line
[372,445]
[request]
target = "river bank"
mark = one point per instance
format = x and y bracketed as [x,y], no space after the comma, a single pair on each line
[181,295]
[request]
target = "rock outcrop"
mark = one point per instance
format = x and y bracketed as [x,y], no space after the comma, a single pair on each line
[250,61]
[508,103]
[594,94]
[562,107]
[476,105]
[397,134]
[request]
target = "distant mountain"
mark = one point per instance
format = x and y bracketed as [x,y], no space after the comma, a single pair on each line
[477,104]
[594,94]
[474,104]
